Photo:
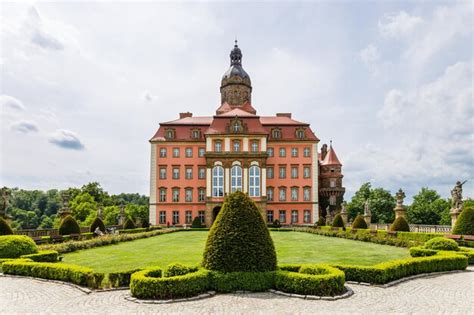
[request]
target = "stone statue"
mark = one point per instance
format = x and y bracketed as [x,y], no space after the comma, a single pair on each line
[456,194]
[343,207]
[121,219]
[99,212]
[344,215]
[367,208]
[4,204]
[64,211]
[400,195]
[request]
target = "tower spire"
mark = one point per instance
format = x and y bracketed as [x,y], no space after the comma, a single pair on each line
[236,55]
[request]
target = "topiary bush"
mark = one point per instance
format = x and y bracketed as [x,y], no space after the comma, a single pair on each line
[442,243]
[196,223]
[465,222]
[5,228]
[69,226]
[13,246]
[400,224]
[420,251]
[239,239]
[321,222]
[359,223]
[97,223]
[276,224]
[338,222]
[128,225]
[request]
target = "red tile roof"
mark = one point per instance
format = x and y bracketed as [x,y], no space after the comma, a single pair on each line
[331,158]
[275,120]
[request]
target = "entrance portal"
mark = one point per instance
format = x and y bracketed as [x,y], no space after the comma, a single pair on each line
[215,212]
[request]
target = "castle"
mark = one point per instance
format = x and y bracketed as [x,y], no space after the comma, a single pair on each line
[196,161]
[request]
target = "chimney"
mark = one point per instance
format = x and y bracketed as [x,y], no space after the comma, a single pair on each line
[324,151]
[284,115]
[184,115]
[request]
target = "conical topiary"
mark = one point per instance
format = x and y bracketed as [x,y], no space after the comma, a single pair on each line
[97,223]
[196,223]
[239,239]
[69,226]
[465,222]
[400,225]
[321,221]
[359,223]
[128,225]
[338,222]
[5,229]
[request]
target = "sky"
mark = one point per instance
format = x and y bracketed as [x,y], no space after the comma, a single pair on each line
[84,86]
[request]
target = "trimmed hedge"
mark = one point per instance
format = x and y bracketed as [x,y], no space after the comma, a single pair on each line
[132,231]
[97,223]
[465,222]
[400,224]
[177,269]
[129,224]
[121,278]
[396,269]
[196,223]
[149,284]
[5,228]
[420,251]
[241,281]
[43,256]
[442,243]
[70,273]
[69,226]
[239,239]
[359,223]
[321,222]
[13,246]
[469,253]
[321,280]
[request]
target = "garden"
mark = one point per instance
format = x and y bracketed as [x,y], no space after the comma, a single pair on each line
[238,253]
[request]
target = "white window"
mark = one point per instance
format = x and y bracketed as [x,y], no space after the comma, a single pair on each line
[218,146]
[269,216]
[162,194]
[188,195]
[175,194]
[202,194]
[307,152]
[282,195]
[254,181]
[196,134]
[270,152]
[332,182]
[270,193]
[162,152]
[307,193]
[282,216]
[175,172]
[282,152]
[175,152]
[236,127]
[236,145]
[270,172]
[189,173]
[294,152]
[294,216]
[202,151]
[300,134]
[294,193]
[218,181]
[202,216]
[202,173]
[162,172]
[282,171]
[276,134]
[162,217]
[189,217]
[189,152]
[175,217]
[236,178]
[254,146]
[306,172]
[307,216]
[294,172]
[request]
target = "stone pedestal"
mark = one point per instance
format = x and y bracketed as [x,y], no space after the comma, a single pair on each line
[454,216]
[368,219]
[400,211]
[344,217]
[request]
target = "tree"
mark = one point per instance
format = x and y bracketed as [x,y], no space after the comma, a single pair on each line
[111,214]
[46,222]
[427,207]
[96,191]
[137,213]
[381,203]
[465,222]
[5,229]
[82,206]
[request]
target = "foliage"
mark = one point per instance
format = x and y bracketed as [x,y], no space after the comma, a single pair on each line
[70,273]
[239,239]
[442,243]
[82,206]
[321,280]
[380,200]
[128,225]
[359,223]
[13,246]
[5,228]
[427,207]
[276,224]
[338,222]
[469,253]
[196,223]
[177,269]
[150,283]
[420,251]
[225,282]
[400,224]
[465,222]
[138,213]
[97,224]
[397,269]
[321,222]
[111,214]
[43,256]
[46,222]
[69,226]
[121,278]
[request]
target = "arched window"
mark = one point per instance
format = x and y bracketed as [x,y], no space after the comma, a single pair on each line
[236,178]
[218,181]
[254,181]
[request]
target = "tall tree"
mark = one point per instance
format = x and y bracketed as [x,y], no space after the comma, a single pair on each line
[427,207]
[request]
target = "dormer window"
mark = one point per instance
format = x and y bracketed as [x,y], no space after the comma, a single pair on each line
[300,133]
[218,146]
[170,133]
[236,145]
[236,127]
[276,133]
[196,134]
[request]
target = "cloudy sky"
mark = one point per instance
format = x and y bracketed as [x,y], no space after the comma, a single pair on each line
[84,86]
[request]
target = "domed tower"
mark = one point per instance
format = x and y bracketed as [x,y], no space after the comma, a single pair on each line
[236,88]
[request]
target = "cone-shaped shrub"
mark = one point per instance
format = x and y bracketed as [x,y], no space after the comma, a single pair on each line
[128,225]
[400,224]
[97,223]
[321,221]
[196,223]
[239,239]
[69,226]
[338,222]
[359,223]
[465,222]
[5,229]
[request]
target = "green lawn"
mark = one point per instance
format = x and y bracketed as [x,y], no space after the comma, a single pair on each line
[187,247]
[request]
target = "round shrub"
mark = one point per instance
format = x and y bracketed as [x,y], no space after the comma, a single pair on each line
[465,222]
[239,239]
[321,280]
[13,246]
[97,223]
[400,224]
[69,226]
[276,224]
[442,243]
[5,229]
[128,225]
[196,223]
[321,222]
[338,222]
[359,223]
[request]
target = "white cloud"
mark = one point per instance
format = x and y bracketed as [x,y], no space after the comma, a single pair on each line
[24,126]
[370,56]
[398,24]
[10,102]
[66,139]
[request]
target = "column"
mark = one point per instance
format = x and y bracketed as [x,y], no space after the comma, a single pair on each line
[153,162]
[263,146]
[208,182]
[226,144]
[208,144]
[227,180]
[264,181]
[245,180]
[245,145]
